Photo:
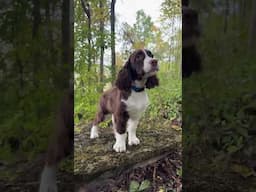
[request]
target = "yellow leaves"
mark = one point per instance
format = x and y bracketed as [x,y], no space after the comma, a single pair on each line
[119,60]
[154,28]
[139,45]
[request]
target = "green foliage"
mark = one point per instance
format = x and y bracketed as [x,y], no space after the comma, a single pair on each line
[140,34]
[170,8]
[223,93]
[87,94]
[165,101]
[29,95]
[139,187]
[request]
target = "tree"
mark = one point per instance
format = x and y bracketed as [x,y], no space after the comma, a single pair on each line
[66,37]
[112,22]
[87,11]
[102,41]
[140,34]
[171,16]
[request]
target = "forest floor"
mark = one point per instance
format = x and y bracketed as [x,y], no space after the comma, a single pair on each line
[160,171]
[153,165]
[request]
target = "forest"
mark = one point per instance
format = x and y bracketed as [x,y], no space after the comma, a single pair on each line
[97,59]
[102,44]
[218,104]
[44,41]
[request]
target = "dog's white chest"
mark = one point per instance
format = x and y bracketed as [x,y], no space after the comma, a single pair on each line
[136,104]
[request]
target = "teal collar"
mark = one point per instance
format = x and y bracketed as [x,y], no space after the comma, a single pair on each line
[137,89]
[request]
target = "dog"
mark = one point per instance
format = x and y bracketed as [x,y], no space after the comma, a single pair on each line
[127,100]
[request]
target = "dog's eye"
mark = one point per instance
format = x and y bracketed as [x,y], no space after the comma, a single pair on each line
[139,56]
[149,54]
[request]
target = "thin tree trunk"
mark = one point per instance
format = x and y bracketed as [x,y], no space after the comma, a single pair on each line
[87,10]
[71,29]
[113,54]
[66,56]
[102,42]
[66,38]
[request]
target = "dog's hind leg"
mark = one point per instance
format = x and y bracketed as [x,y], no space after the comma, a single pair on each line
[98,119]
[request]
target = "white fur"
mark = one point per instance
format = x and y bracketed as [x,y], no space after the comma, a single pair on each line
[136,104]
[120,145]
[94,132]
[131,129]
[48,180]
[147,63]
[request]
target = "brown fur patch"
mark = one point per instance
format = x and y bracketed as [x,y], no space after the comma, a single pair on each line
[110,102]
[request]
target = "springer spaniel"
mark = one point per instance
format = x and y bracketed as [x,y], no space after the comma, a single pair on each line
[127,100]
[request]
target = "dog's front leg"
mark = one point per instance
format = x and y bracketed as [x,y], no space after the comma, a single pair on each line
[131,129]
[120,145]
[120,135]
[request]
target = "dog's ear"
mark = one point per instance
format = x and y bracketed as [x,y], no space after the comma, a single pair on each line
[152,82]
[124,79]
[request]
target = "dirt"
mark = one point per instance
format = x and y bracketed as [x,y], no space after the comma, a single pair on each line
[164,174]
[93,157]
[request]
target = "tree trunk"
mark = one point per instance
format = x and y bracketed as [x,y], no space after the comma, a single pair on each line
[113,54]
[252,31]
[66,35]
[102,42]
[87,10]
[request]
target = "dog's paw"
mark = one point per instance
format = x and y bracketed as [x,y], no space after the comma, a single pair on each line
[94,132]
[48,180]
[134,141]
[119,147]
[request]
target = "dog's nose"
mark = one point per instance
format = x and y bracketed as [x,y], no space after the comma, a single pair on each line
[154,62]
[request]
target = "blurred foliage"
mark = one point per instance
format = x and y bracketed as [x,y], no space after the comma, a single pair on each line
[32,76]
[165,101]
[225,90]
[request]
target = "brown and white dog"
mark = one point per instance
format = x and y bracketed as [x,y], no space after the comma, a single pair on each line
[127,100]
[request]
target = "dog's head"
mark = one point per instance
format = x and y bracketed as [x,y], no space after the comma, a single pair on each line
[140,66]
